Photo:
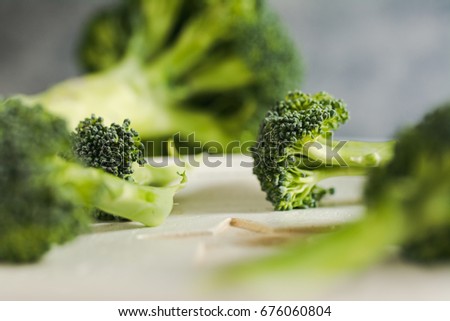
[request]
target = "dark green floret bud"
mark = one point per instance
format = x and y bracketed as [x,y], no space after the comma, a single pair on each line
[113,148]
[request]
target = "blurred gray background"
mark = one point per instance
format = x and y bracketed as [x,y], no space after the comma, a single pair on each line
[388,59]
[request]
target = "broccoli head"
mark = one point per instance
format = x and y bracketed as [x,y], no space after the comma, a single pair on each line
[113,148]
[295,150]
[46,195]
[207,68]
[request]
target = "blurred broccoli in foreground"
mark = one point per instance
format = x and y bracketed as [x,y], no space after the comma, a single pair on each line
[207,68]
[417,181]
[295,150]
[408,204]
[45,195]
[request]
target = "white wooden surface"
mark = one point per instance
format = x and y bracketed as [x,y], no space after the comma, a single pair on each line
[220,217]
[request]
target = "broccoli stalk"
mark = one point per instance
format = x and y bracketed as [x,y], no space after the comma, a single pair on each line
[114,148]
[207,68]
[408,205]
[295,150]
[343,153]
[107,93]
[45,195]
[148,205]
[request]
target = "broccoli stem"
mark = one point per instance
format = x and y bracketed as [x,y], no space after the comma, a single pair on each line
[145,204]
[316,175]
[128,92]
[164,13]
[349,153]
[108,94]
[225,74]
[331,172]
[194,43]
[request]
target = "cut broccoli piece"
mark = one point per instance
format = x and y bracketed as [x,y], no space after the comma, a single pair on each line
[45,195]
[113,148]
[295,150]
[408,205]
[119,151]
[209,68]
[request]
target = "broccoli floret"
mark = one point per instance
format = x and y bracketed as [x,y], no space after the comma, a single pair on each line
[45,194]
[295,150]
[113,148]
[209,68]
[118,150]
[408,205]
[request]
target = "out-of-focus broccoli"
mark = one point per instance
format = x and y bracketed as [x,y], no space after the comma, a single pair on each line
[45,194]
[408,205]
[417,184]
[295,150]
[206,67]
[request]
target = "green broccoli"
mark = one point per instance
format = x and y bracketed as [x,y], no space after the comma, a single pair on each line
[118,150]
[295,150]
[45,193]
[114,148]
[417,182]
[205,67]
[408,205]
